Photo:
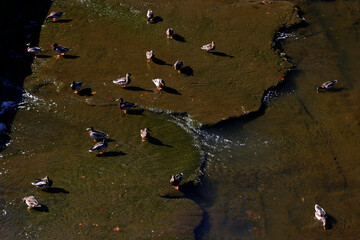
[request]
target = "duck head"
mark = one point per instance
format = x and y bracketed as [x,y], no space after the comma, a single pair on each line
[120,100]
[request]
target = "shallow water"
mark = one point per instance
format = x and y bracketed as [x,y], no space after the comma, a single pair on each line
[304,149]
[263,174]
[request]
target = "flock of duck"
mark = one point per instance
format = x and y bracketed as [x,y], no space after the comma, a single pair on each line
[100,137]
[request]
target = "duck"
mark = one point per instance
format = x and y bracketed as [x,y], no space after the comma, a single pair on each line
[31,202]
[179,65]
[43,183]
[59,49]
[150,15]
[209,47]
[99,147]
[54,16]
[95,134]
[169,33]
[320,215]
[150,55]
[33,50]
[176,180]
[159,83]
[326,85]
[125,106]
[76,86]
[124,81]
[144,133]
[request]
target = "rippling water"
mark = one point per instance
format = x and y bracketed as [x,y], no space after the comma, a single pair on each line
[269,171]
[262,174]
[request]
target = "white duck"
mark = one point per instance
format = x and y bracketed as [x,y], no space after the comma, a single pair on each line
[209,47]
[320,215]
[124,81]
[31,202]
[159,83]
[144,133]
[150,55]
[150,15]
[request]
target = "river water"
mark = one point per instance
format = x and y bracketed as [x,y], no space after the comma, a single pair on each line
[262,174]
[303,149]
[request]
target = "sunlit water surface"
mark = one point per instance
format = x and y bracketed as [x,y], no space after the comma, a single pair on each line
[263,174]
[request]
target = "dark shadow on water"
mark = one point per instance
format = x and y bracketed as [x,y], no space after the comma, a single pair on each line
[334,89]
[135,111]
[57,190]
[171,90]
[160,62]
[331,221]
[85,92]
[156,19]
[178,38]
[156,141]
[221,54]
[43,56]
[43,208]
[188,71]
[133,88]
[70,56]
[62,21]
[112,154]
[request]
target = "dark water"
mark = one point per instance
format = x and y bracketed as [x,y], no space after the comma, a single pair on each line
[262,177]
[270,171]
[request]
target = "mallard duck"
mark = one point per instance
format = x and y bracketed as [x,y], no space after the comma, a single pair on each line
[31,202]
[124,81]
[95,134]
[144,133]
[159,83]
[150,15]
[320,215]
[54,16]
[76,86]
[169,33]
[176,180]
[326,85]
[33,50]
[59,49]
[125,106]
[209,47]
[178,65]
[150,55]
[99,147]
[43,183]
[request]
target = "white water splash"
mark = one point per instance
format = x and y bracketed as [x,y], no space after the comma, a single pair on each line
[208,143]
[31,102]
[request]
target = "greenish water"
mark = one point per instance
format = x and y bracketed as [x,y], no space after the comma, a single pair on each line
[304,149]
[263,174]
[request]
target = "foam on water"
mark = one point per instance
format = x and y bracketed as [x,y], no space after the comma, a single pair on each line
[30,102]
